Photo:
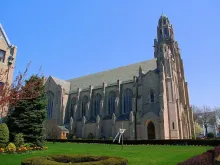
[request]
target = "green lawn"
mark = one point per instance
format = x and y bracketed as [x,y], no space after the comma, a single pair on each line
[136,154]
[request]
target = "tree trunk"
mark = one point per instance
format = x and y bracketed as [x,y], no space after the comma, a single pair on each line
[206,130]
[1,117]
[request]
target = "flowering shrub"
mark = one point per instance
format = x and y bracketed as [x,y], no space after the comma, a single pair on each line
[2,150]
[12,149]
[22,149]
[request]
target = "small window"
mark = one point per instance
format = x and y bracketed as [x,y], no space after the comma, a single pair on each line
[2,56]
[151,96]
[1,84]
[173,125]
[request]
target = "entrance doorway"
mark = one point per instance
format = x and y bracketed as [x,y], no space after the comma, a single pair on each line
[151,130]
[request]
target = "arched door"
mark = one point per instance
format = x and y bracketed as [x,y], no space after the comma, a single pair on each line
[151,131]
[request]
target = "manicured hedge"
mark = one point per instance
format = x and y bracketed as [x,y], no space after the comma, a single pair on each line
[207,158]
[139,142]
[74,159]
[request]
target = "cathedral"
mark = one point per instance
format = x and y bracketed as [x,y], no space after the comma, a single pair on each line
[149,99]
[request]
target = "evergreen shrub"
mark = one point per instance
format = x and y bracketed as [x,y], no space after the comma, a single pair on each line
[210,135]
[4,135]
[19,140]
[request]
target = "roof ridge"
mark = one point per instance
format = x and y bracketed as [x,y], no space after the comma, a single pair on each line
[69,80]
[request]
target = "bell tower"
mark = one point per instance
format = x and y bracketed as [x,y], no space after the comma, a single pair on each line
[164,29]
[174,99]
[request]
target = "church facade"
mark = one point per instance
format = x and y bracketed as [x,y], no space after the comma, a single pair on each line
[149,99]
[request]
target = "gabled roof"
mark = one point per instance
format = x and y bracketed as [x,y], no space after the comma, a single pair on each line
[63,83]
[124,73]
[63,128]
[3,34]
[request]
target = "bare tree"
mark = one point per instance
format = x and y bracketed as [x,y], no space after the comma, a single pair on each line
[204,116]
[217,111]
[217,114]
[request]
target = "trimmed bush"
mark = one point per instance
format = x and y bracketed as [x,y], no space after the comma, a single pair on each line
[144,142]
[207,158]
[210,135]
[203,159]
[4,135]
[19,140]
[74,159]
[11,147]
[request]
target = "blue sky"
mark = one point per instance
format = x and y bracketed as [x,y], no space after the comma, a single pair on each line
[73,38]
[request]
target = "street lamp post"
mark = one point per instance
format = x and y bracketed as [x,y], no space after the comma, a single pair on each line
[10,59]
[135,113]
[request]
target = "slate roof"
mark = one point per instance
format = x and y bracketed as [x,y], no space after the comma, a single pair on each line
[123,73]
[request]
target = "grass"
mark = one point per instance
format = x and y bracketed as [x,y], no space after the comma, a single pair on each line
[136,154]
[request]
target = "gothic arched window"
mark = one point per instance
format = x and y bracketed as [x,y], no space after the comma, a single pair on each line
[96,105]
[127,101]
[165,32]
[151,96]
[50,99]
[161,34]
[164,22]
[111,102]
[72,106]
[84,102]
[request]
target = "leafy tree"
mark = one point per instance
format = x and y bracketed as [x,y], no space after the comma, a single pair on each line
[29,113]
[198,128]
[4,135]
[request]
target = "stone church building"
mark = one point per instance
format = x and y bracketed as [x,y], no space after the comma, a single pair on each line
[149,99]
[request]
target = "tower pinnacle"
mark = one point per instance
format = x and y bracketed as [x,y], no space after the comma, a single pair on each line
[164,29]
